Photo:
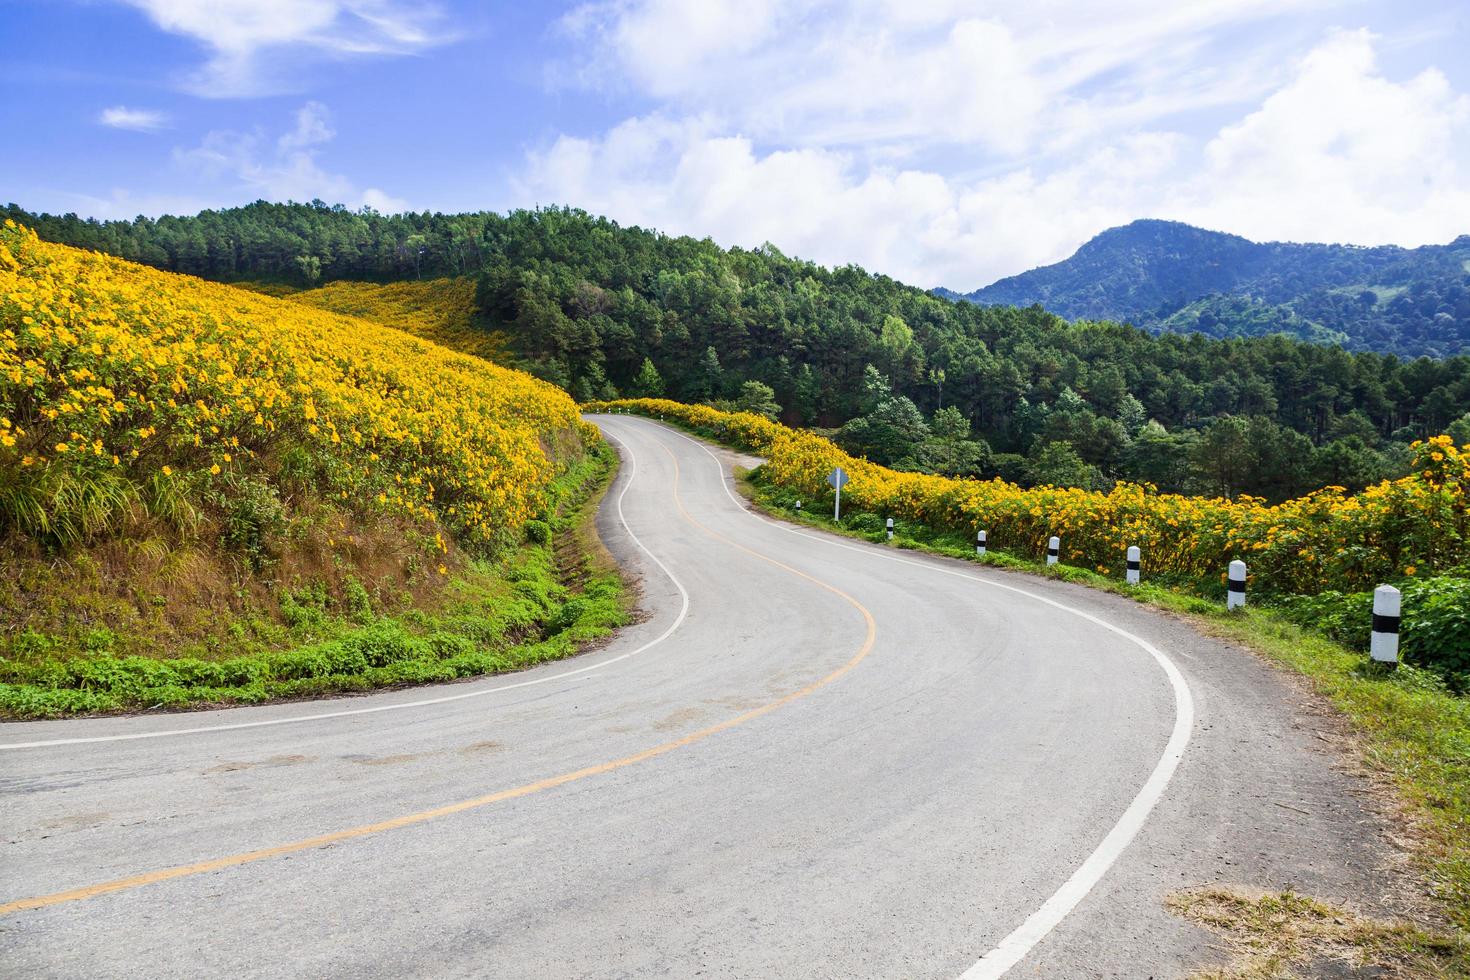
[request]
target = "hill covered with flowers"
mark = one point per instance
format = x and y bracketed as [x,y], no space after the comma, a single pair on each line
[188,468]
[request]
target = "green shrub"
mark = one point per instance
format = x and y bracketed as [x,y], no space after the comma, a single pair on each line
[538,532]
[867,524]
[29,643]
[1346,618]
[99,639]
[304,609]
[359,604]
[567,616]
[252,517]
[1436,624]
[1434,632]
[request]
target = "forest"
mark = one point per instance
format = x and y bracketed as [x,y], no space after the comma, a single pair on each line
[899,374]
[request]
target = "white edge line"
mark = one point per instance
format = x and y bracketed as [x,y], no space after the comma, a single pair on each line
[1014,947]
[205,729]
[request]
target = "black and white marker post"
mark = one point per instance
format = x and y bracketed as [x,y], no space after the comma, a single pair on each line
[1235,598]
[890,529]
[1384,644]
[1134,564]
[798,508]
[1053,549]
[979,542]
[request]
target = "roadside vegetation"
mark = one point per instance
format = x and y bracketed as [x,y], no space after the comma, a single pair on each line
[1415,527]
[1414,721]
[212,496]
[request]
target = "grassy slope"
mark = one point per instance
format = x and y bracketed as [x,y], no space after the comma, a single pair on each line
[539,602]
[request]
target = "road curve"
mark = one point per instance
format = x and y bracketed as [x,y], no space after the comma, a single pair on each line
[812,758]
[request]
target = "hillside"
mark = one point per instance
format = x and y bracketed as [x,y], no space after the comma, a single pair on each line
[273,498]
[1167,276]
[601,309]
[439,310]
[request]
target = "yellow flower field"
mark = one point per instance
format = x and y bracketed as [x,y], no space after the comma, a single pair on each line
[440,310]
[118,382]
[1327,540]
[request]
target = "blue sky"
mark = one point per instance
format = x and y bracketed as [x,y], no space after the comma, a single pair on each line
[940,142]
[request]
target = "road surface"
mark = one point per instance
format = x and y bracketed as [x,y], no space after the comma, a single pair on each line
[814,757]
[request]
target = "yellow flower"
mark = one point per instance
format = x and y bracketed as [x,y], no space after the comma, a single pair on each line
[168,471]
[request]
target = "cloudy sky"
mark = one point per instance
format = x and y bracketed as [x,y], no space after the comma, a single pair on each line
[939,142]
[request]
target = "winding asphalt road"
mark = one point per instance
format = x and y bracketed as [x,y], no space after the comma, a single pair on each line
[814,757]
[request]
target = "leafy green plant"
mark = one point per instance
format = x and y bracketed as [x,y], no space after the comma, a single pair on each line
[869,525]
[253,515]
[1435,630]
[538,532]
[358,603]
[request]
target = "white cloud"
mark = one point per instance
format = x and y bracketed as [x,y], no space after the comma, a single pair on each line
[138,120]
[1343,154]
[1335,152]
[287,170]
[1003,77]
[247,37]
[916,225]
[313,127]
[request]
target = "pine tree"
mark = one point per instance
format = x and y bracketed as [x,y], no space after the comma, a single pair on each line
[649,383]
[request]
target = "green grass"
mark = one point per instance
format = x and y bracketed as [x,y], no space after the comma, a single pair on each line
[542,601]
[1415,731]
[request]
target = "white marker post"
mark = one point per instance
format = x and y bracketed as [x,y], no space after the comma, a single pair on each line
[837,479]
[798,508]
[1053,549]
[1384,643]
[890,529]
[1134,564]
[979,542]
[1235,598]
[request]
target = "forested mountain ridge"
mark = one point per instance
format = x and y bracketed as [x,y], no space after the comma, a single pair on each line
[910,377]
[1169,276]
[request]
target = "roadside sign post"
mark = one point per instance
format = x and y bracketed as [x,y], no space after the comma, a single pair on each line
[837,479]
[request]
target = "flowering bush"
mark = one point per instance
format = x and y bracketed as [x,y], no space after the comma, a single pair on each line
[123,388]
[1326,540]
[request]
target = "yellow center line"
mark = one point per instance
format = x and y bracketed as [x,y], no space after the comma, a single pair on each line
[551,782]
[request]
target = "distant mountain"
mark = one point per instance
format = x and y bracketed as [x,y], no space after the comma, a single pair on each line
[1167,276]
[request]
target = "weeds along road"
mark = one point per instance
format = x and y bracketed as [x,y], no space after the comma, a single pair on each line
[813,758]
